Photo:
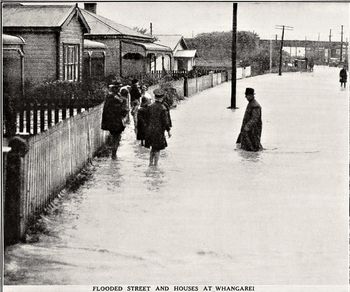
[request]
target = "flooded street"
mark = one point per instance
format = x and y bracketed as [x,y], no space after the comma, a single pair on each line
[211,213]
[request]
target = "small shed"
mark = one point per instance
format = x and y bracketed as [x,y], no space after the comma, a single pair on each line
[94,60]
[13,65]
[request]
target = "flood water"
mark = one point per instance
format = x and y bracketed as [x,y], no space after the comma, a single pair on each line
[211,213]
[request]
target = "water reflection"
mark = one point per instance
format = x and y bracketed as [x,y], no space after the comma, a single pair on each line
[155,178]
[249,155]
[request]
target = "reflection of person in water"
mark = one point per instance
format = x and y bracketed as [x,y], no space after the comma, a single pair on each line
[250,134]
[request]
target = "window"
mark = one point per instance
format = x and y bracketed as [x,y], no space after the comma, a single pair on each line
[71,62]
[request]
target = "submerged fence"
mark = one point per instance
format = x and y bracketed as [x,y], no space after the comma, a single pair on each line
[53,156]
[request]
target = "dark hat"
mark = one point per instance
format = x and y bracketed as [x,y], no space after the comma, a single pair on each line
[124,92]
[249,90]
[144,101]
[158,92]
[134,81]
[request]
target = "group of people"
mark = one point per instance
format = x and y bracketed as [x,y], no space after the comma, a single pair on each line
[151,117]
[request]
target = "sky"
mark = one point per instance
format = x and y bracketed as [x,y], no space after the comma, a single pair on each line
[309,20]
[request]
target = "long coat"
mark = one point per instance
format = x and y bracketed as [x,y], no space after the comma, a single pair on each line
[114,111]
[142,123]
[157,123]
[343,75]
[250,139]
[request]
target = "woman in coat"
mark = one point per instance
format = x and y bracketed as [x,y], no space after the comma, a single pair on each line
[158,122]
[142,120]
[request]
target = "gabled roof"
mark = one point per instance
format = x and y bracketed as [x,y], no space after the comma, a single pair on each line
[170,40]
[36,16]
[103,26]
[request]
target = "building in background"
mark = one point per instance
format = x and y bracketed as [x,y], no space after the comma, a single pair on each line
[183,58]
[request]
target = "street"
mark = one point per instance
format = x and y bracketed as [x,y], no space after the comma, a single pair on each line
[211,213]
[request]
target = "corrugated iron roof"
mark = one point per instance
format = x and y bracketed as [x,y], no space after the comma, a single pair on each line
[153,47]
[185,53]
[36,15]
[169,40]
[12,40]
[93,45]
[103,26]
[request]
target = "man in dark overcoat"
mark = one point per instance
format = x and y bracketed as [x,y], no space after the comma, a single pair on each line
[343,77]
[114,113]
[250,134]
[158,122]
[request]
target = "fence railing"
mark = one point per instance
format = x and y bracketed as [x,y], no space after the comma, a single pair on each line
[52,157]
[32,116]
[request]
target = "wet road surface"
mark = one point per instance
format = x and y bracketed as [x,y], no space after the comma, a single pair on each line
[211,213]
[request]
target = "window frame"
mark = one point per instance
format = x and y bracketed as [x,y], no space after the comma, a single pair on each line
[71,62]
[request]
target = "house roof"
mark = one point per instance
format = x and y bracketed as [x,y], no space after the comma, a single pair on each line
[103,26]
[93,45]
[39,15]
[170,40]
[12,40]
[153,47]
[186,53]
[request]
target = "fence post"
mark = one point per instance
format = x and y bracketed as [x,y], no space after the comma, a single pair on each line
[185,86]
[13,218]
[211,74]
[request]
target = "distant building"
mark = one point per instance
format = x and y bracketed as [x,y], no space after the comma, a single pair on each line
[128,52]
[183,58]
[54,37]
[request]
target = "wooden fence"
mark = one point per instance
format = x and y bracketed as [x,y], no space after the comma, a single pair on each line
[53,156]
[33,116]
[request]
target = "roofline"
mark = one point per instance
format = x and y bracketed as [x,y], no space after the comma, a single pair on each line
[116,36]
[131,42]
[95,16]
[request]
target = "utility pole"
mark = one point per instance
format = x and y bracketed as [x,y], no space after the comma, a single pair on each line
[318,48]
[330,45]
[150,28]
[270,56]
[305,46]
[341,45]
[283,27]
[234,55]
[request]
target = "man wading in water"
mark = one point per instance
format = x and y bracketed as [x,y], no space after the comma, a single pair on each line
[158,121]
[250,134]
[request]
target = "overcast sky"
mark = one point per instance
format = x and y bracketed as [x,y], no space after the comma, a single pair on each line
[308,19]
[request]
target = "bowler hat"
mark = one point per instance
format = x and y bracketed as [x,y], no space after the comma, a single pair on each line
[158,92]
[134,81]
[249,90]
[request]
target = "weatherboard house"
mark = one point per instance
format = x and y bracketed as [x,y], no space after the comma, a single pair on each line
[128,52]
[183,58]
[54,39]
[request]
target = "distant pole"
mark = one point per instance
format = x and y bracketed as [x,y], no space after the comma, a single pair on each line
[341,45]
[280,65]
[283,27]
[330,45]
[234,55]
[270,56]
[305,46]
[150,28]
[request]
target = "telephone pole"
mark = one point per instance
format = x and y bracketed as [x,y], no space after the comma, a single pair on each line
[330,45]
[234,55]
[341,45]
[283,27]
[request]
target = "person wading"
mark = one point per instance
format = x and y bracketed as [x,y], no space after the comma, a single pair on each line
[114,113]
[343,77]
[249,137]
[157,123]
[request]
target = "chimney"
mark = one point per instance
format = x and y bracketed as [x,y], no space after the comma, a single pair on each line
[91,7]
